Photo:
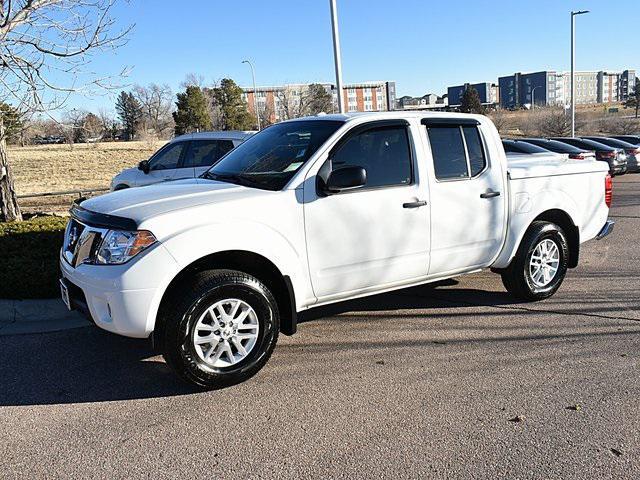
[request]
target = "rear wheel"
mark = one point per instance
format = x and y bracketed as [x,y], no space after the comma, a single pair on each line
[221,329]
[540,264]
[122,186]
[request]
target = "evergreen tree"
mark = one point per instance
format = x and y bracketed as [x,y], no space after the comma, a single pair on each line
[192,113]
[12,121]
[471,101]
[319,100]
[130,112]
[233,109]
[634,98]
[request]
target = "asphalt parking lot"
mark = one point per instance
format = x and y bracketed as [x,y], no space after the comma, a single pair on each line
[453,380]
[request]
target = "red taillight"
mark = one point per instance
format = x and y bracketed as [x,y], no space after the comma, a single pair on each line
[608,190]
[579,156]
[611,154]
[633,151]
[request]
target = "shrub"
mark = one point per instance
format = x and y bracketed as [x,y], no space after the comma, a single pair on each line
[29,251]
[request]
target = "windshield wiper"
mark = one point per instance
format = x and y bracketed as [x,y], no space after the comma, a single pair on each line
[236,178]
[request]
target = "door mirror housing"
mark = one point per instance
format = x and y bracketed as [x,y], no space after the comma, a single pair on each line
[144,166]
[345,178]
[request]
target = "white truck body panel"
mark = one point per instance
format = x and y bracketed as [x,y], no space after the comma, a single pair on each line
[340,246]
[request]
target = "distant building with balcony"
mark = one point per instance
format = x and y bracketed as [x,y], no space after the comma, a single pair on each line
[549,87]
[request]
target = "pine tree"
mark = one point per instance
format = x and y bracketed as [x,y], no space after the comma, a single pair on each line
[634,98]
[192,113]
[130,112]
[471,101]
[233,109]
[12,120]
[319,100]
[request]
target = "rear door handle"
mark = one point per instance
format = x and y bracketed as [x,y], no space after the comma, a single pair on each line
[417,204]
[489,194]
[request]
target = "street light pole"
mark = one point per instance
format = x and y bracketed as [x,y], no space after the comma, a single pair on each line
[255,91]
[336,54]
[533,102]
[573,69]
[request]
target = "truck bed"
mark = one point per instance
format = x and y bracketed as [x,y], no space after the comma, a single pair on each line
[550,165]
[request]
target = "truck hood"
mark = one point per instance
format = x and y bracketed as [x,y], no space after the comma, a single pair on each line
[143,203]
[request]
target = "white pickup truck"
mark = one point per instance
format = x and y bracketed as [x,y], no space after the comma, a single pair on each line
[319,210]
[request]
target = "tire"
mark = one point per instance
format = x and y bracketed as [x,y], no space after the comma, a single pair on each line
[122,186]
[522,279]
[189,311]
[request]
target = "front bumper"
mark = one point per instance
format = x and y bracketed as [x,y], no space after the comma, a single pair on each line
[606,229]
[122,299]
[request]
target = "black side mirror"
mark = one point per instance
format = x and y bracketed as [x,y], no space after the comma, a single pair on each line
[345,178]
[144,166]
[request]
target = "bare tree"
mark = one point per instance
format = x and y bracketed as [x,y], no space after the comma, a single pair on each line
[45,49]
[551,121]
[193,80]
[157,105]
[267,115]
[501,120]
[108,123]
[292,103]
[73,123]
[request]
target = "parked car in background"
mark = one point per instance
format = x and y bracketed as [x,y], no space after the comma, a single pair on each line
[632,151]
[520,147]
[574,153]
[632,139]
[615,157]
[186,156]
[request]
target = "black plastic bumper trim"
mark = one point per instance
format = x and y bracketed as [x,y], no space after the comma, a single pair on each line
[102,220]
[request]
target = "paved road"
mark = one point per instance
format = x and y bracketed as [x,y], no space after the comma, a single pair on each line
[417,384]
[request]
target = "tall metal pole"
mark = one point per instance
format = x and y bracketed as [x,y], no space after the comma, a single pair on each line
[255,91]
[336,54]
[533,101]
[573,69]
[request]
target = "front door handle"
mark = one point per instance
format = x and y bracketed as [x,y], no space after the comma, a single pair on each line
[417,204]
[489,194]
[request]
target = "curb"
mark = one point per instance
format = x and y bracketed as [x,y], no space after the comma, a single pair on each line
[37,316]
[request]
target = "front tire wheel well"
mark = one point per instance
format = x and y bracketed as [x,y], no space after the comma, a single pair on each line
[247,262]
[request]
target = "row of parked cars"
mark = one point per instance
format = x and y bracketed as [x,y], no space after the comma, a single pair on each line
[621,152]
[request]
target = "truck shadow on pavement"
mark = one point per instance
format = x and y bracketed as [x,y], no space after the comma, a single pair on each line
[85,365]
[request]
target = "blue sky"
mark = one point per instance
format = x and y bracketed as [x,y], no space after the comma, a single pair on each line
[424,45]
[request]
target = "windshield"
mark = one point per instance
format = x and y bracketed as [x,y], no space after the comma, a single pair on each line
[270,158]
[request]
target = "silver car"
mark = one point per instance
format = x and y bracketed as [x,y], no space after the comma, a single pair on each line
[186,156]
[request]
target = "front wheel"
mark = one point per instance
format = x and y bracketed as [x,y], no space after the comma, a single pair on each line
[540,264]
[220,328]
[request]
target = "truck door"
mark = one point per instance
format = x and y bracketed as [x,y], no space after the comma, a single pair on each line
[467,197]
[377,234]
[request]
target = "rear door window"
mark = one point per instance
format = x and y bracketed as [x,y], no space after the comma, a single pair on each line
[457,150]
[224,146]
[201,153]
[447,147]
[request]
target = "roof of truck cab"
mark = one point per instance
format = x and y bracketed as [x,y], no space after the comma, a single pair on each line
[390,115]
[215,135]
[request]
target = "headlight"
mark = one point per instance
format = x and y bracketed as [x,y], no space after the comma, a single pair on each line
[120,246]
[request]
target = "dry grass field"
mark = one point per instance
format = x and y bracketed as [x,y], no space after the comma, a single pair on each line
[48,168]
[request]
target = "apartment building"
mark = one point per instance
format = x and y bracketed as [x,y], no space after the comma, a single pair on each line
[287,101]
[488,92]
[430,101]
[549,87]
